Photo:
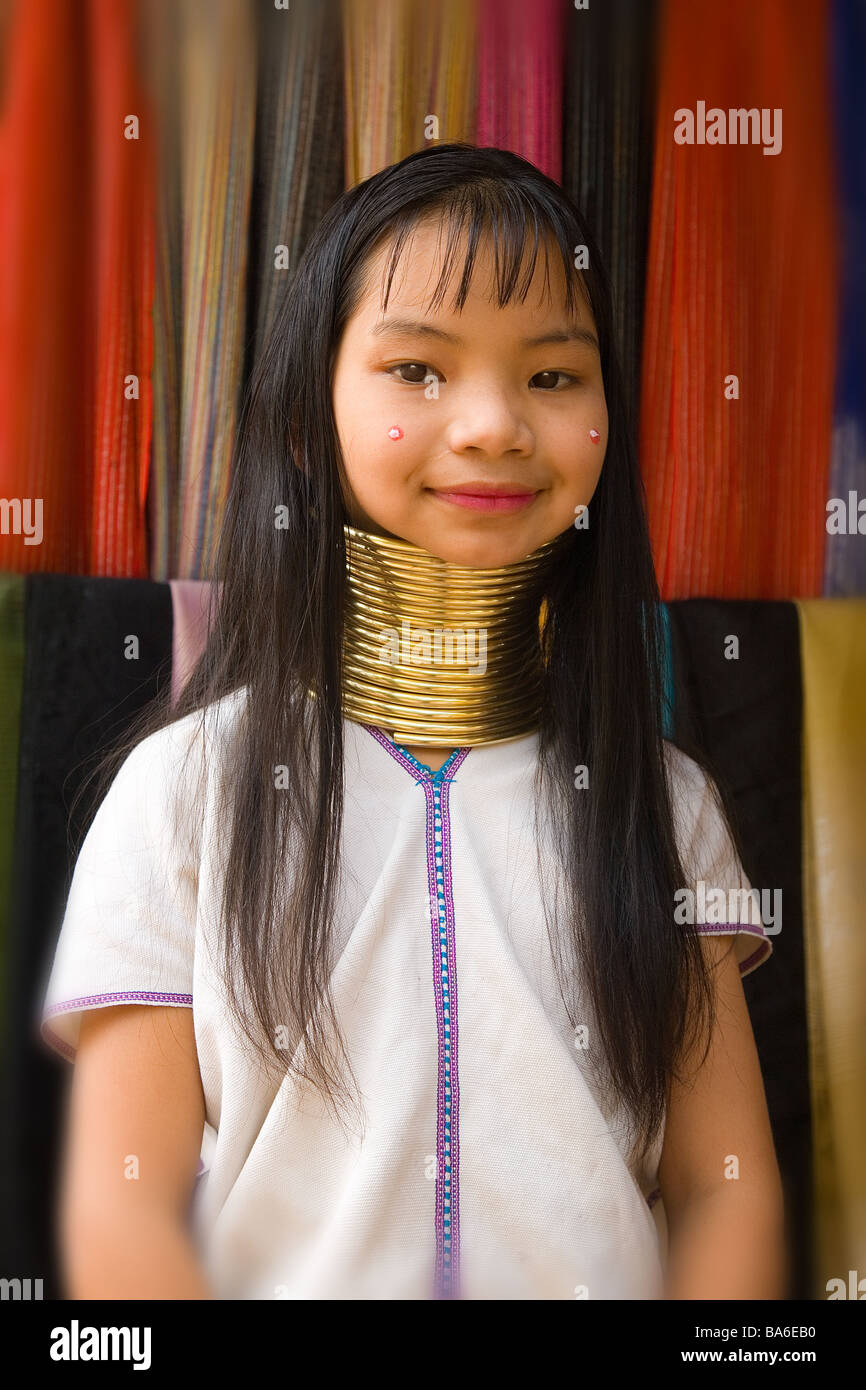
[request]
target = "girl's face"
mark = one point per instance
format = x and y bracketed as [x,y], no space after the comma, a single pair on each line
[428,402]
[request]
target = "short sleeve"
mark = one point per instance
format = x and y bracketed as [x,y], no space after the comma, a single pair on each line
[717,895]
[128,931]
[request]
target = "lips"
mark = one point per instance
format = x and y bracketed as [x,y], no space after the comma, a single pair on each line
[479,489]
[487,497]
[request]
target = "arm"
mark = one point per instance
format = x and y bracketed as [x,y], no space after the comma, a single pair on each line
[136,1090]
[726,1235]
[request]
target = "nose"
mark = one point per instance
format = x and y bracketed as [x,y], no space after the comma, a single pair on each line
[490,422]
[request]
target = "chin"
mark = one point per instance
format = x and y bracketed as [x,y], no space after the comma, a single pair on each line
[480,551]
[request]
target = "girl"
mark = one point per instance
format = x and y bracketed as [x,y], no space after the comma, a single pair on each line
[391,897]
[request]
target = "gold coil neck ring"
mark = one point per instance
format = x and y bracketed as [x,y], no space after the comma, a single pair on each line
[441,654]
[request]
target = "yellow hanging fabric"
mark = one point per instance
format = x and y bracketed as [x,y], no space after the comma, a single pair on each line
[833,653]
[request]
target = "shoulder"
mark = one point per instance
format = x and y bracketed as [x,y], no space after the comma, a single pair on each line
[692,793]
[204,733]
[700,821]
[686,776]
[712,864]
[204,730]
[169,770]
[130,925]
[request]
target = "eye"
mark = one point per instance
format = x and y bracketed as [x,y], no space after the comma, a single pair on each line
[421,368]
[569,380]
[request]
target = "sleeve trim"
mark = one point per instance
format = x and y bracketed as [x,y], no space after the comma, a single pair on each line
[757,957]
[94,1001]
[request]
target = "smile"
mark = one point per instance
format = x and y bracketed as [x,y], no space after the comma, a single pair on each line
[488,501]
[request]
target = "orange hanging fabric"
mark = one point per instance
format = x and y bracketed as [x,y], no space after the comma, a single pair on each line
[124,200]
[76,282]
[741,283]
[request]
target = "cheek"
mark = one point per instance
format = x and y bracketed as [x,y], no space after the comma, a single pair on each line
[375,420]
[584,456]
[363,427]
[594,415]
[390,436]
[594,437]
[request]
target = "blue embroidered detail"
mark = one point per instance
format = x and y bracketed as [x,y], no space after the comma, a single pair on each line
[437,778]
[436,795]
[446,1284]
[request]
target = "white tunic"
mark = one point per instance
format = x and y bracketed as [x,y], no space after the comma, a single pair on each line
[491,1165]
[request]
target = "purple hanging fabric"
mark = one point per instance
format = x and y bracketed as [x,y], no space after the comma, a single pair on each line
[845,552]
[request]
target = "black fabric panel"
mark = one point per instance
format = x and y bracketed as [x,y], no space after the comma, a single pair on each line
[299,165]
[608,136]
[747,716]
[79,694]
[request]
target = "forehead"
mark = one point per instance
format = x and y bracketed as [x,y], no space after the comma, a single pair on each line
[435,267]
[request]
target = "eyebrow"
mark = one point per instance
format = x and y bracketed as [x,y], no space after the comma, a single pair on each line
[418,328]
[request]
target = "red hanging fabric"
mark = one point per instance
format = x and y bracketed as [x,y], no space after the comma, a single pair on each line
[76,285]
[741,281]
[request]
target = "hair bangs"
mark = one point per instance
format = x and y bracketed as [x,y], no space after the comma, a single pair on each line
[514,225]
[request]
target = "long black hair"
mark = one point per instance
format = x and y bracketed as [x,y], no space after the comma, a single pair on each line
[276,632]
